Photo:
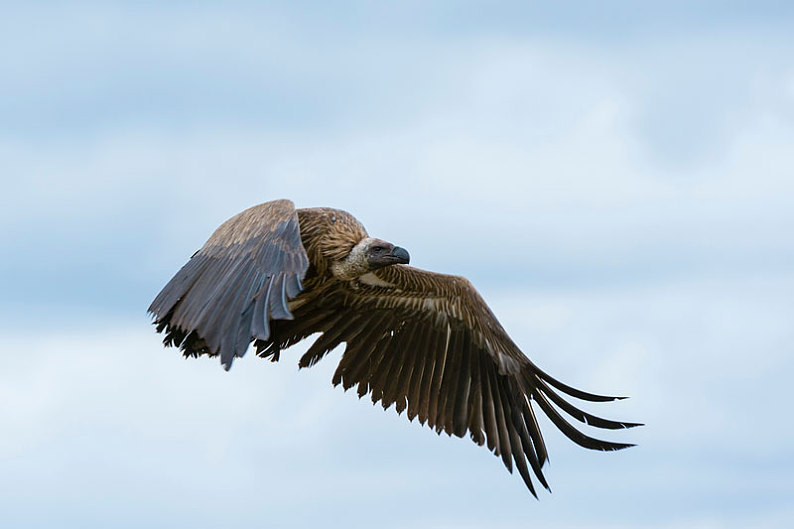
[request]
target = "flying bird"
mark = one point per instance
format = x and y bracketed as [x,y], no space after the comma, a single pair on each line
[424,342]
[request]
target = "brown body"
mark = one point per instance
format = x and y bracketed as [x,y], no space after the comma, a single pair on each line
[422,341]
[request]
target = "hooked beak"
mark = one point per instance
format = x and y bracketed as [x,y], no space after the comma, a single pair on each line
[400,255]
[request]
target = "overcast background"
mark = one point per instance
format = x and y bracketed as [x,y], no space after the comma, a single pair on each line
[617,178]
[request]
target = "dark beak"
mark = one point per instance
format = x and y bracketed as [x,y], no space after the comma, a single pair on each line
[400,255]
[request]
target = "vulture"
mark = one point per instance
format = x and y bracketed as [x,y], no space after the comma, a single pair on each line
[424,342]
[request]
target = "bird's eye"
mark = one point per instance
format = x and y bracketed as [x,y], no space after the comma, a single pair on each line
[378,249]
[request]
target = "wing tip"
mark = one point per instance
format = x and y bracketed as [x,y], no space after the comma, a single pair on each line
[227,363]
[614,447]
[570,390]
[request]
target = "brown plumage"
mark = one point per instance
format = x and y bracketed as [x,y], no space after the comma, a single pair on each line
[424,342]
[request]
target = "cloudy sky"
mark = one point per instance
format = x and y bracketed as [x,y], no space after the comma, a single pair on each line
[617,178]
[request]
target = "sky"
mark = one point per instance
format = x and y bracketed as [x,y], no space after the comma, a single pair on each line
[616,178]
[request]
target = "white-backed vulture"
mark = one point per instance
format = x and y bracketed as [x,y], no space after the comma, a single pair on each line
[425,342]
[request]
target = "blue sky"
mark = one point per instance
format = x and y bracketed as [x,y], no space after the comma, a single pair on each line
[615,178]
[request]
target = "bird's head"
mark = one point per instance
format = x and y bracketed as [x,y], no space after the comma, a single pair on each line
[335,241]
[368,255]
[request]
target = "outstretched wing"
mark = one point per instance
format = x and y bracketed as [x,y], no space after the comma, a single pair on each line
[239,281]
[429,344]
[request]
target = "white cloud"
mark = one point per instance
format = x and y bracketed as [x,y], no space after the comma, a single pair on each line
[507,141]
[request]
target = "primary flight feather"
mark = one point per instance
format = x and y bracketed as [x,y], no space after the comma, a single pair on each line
[423,341]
